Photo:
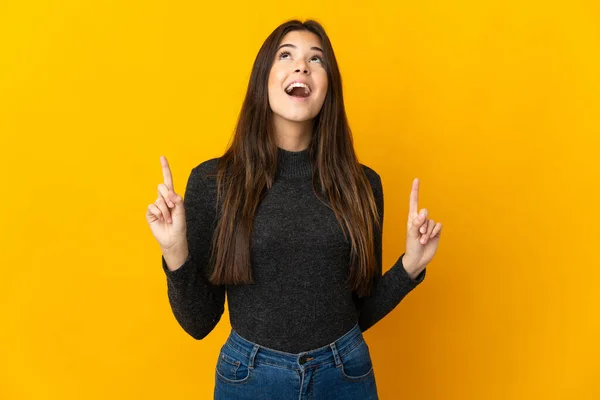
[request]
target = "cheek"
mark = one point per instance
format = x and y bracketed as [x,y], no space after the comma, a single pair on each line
[323,84]
[272,84]
[274,91]
[275,79]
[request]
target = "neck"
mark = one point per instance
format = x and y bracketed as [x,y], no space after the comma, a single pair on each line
[294,164]
[292,135]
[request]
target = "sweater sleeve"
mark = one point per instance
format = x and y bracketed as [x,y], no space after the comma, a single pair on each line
[196,303]
[388,289]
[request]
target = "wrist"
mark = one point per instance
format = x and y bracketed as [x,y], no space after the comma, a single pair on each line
[178,246]
[410,266]
[175,256]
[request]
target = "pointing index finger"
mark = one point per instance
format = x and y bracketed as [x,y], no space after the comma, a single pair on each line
[166,172]
[414,198]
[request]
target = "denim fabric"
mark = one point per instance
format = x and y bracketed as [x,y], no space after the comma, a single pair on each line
[341,370]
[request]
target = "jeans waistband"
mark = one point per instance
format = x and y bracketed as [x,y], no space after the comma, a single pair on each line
[326,354]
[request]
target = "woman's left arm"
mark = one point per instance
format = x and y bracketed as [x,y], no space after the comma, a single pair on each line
[409,271]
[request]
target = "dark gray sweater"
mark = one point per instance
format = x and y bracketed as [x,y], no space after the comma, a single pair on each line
[299,257]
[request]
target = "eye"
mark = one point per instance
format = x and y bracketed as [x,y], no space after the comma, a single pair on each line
[287,53]
[284,53]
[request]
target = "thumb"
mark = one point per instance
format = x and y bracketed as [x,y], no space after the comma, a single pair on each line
[178,209]
[417,222]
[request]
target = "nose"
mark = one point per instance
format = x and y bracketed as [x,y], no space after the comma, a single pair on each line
[301,67]
[304,71]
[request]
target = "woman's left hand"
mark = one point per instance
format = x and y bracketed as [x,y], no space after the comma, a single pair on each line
[422,238]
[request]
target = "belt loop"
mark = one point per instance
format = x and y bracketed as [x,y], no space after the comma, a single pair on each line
[336,356]
[252,355]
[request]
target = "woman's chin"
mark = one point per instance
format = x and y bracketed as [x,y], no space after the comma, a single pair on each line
[296,117]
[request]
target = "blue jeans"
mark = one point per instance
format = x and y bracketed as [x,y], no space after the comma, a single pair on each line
[341,370]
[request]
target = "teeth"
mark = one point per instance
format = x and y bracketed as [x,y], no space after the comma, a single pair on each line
[298,84]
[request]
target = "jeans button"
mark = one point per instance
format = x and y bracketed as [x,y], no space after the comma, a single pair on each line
[302,360]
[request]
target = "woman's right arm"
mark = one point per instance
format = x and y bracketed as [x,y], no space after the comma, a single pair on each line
[196,303]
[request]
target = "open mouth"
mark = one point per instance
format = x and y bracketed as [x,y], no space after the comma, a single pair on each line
[298,89]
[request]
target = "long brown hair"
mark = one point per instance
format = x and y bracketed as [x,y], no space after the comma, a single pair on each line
[248,169]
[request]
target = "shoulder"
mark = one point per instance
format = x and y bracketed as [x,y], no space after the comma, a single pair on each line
[206,168]
[373,177]
[375,181]
[205,171]
[203,176]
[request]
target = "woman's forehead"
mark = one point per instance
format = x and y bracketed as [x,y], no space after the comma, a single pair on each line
[301,38]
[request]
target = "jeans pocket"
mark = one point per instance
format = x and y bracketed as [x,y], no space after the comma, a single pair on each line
[232,366]
[356,363]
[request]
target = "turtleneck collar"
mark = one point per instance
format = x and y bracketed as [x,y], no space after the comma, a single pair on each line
[294,164]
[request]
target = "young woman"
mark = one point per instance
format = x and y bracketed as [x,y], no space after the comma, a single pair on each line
[288,224]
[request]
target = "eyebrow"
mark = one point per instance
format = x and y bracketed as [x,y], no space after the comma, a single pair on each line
[295,47]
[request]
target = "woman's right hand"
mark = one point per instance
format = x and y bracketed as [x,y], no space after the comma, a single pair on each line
[166,216]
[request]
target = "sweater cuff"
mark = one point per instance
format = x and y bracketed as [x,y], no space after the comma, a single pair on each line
[418,279]
[181,272]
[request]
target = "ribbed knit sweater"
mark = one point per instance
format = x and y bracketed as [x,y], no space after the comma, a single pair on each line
[300,263]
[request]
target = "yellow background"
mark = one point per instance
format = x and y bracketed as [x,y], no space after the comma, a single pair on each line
[494,105]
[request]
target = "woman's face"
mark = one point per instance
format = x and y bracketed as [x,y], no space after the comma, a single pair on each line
[298,59]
